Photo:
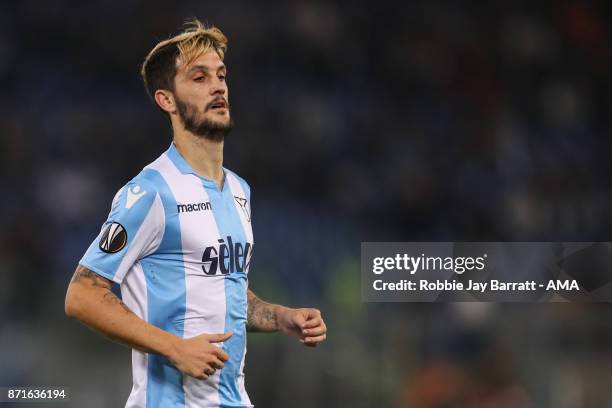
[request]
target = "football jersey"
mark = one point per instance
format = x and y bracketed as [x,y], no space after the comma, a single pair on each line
[180,248]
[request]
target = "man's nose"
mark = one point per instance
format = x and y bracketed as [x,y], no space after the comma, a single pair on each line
[219,87]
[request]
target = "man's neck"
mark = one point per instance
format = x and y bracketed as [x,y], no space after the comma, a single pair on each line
[203,155]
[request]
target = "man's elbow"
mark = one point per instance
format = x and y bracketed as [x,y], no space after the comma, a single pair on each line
[73,304]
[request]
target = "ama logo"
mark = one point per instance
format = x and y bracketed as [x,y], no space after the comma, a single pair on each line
[228,257]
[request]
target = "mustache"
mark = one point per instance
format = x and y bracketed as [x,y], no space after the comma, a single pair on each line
[215,101]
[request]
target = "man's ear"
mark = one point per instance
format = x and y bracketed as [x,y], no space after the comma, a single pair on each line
[165,100]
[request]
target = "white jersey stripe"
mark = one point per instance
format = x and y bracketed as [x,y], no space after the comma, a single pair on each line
[133,292]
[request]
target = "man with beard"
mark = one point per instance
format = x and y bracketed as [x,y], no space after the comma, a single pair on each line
[178,240]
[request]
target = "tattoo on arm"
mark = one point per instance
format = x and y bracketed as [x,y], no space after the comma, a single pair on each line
[261,316]
[85,276]
[111,298]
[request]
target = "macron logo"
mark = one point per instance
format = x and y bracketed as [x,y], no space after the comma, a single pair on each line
[193,207]
[134,194]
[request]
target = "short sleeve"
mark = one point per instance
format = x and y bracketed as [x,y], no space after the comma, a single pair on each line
[133,230]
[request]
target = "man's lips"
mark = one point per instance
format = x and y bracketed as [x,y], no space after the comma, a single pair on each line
[218,104]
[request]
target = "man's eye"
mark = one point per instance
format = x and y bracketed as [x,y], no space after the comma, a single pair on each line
[222,77]
[199,79]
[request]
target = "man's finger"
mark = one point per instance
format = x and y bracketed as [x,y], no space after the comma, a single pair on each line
[314,322]
[218,337]
[222,355]
[217,363]
[315,339]
[315,331]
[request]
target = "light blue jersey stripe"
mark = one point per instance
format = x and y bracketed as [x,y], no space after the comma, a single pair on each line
[165,277]
[229,225]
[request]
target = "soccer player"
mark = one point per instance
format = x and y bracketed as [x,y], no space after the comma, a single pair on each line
[178,240]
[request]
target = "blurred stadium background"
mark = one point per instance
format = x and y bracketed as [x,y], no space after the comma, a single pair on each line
[363,120]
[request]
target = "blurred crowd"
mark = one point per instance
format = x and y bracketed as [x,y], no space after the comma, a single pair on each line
[355,121]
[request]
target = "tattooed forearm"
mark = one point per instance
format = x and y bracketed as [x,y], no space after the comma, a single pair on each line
[261,316]
[111,298]
[84,275]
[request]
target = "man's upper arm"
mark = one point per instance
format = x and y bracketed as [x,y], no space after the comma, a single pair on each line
[85,276]
[82,282]
[133,230]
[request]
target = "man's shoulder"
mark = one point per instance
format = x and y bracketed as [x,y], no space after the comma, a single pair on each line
[233,173]
[149,179]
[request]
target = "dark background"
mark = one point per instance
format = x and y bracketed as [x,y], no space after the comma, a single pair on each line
[357,121]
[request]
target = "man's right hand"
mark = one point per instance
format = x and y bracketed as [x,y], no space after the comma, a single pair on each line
[90,300]
[198,357]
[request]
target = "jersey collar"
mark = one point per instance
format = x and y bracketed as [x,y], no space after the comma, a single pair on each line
[184,167]
[179,161]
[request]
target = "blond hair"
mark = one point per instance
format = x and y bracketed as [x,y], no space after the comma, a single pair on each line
[160,65]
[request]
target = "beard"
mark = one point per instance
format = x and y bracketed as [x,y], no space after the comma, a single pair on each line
[203,127]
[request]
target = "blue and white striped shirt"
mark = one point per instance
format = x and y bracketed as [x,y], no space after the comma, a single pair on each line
[180,249]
